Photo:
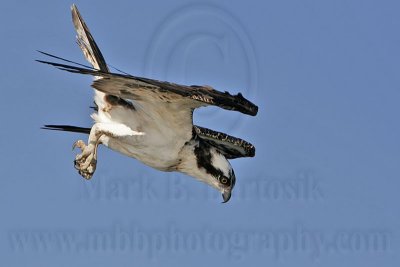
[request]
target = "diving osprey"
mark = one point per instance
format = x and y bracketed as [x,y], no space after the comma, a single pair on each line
[152,121]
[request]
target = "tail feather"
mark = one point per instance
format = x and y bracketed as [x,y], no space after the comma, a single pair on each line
[67,128]
[86,42]
[92,54]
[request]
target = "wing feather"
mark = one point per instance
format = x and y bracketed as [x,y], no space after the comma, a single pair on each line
[144,89]
[137,88]
[232,147]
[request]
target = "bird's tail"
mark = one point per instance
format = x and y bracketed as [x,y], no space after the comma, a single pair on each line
[67,128]
[86,42]
[92,54]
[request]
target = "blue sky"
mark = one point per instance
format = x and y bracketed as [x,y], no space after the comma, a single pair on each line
[321,191]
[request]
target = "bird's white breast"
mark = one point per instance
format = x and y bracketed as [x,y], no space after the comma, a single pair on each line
[161,143]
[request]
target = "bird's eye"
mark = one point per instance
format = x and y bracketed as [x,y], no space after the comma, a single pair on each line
[223,180]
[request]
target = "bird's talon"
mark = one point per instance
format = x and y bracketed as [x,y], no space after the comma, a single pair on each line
[85,162]
[79,144]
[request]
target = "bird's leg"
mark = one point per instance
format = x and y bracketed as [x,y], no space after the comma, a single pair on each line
[86,161]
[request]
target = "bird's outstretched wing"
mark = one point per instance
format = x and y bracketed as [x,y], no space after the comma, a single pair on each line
[231,147]
[137,88]
[143,89]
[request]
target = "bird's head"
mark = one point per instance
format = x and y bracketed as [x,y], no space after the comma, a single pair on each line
[222,171]
[214,169]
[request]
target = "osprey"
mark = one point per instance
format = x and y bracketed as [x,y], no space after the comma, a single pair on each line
[152,121]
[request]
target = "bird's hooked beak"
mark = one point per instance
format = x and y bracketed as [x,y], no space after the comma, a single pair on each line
[226,195]
[227,192]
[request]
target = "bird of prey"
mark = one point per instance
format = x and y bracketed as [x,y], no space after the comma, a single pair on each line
[152,121]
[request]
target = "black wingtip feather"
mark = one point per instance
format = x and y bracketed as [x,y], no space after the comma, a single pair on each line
[66,128]
[63,59]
